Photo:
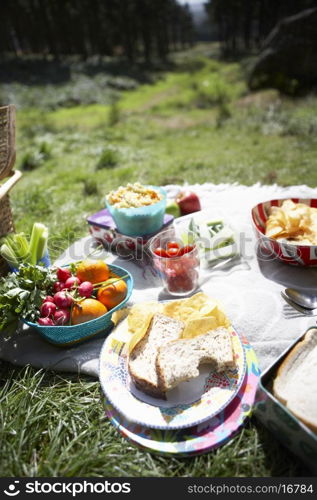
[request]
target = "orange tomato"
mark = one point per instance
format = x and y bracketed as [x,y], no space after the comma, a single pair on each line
[113,293]
[86,310]
[94,271]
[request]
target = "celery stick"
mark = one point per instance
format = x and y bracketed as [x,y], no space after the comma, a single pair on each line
[9,241]
[8,254]
[37,232]
[42,244]
[21,247]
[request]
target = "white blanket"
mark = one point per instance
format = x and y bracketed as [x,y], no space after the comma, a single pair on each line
[249,290]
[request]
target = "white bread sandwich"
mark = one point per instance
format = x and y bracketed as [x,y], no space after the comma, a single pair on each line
[180,359]
[295,384]
[142,360]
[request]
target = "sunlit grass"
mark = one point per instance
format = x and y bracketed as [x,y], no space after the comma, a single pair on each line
[54,425]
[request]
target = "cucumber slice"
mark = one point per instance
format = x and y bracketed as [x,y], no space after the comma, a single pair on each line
[215,226]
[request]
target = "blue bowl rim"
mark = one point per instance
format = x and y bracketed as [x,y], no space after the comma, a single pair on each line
[92,321]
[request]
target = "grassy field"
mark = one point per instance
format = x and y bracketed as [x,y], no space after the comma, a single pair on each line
[83,129]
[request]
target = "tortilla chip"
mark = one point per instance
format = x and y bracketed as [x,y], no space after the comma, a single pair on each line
[200,314]
[119,315]
[139,319]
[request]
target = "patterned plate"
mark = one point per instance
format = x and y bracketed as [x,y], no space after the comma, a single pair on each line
[200,438]
[187,405]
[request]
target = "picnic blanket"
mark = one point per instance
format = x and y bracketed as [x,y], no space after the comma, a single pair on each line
[249,288]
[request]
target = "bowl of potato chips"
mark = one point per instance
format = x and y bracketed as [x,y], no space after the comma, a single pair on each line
[287,229]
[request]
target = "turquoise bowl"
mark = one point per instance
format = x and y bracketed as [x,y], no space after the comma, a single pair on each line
[140,221]
[96,328]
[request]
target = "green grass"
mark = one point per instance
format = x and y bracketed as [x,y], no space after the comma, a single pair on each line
[197,123]
[53,425]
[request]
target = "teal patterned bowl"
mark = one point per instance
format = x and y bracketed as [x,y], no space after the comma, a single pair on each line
[96,328]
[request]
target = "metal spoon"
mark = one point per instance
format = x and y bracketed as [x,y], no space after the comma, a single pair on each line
[303,310]
[301,298]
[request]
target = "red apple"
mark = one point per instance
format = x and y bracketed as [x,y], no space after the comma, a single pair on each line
[188,202]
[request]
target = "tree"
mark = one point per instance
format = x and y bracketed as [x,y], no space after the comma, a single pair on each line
[145,28]
[243,24]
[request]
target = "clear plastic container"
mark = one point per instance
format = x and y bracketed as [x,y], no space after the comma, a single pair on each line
[179,274]
[140,221]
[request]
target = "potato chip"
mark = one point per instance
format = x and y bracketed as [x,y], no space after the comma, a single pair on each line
[294,222]
[196,306]
[199,326]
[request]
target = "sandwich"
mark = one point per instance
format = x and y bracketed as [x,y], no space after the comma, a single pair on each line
[179,360]
[162,358]
[142,360]
[295,382]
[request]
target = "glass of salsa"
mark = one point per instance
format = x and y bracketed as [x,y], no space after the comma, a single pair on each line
[176,259]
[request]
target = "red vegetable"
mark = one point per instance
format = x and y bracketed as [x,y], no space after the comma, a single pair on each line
[173,252]
[62,300]
[62,316]
[161,252]
[186,249]
[85,289]
[49,298]
[58,286]
[72,282]
[172,244]
[46,322]
[63,274]
[48,309]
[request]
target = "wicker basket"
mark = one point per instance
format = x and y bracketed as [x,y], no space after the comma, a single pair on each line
[7,159]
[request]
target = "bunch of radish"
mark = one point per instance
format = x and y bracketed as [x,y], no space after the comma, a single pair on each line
[56,309]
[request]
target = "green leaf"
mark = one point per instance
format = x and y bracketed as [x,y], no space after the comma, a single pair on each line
[22,293]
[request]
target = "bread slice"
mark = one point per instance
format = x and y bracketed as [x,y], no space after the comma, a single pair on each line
[180,360]
[295,383]
[142,360]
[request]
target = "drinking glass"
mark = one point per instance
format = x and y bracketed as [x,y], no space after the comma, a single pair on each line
[179,273]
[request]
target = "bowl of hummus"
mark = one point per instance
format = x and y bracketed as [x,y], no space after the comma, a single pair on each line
[137,210]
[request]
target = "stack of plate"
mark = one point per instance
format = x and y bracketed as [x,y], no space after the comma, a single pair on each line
[198,415]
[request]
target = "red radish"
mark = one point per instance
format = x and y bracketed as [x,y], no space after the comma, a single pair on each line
[46,322]
[62,300]
[72,282]
[48,309]
[62,316]
[85,289]
[58,286]
[49,298]
[63,274]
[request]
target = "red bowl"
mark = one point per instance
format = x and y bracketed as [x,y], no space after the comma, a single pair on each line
[297,255]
